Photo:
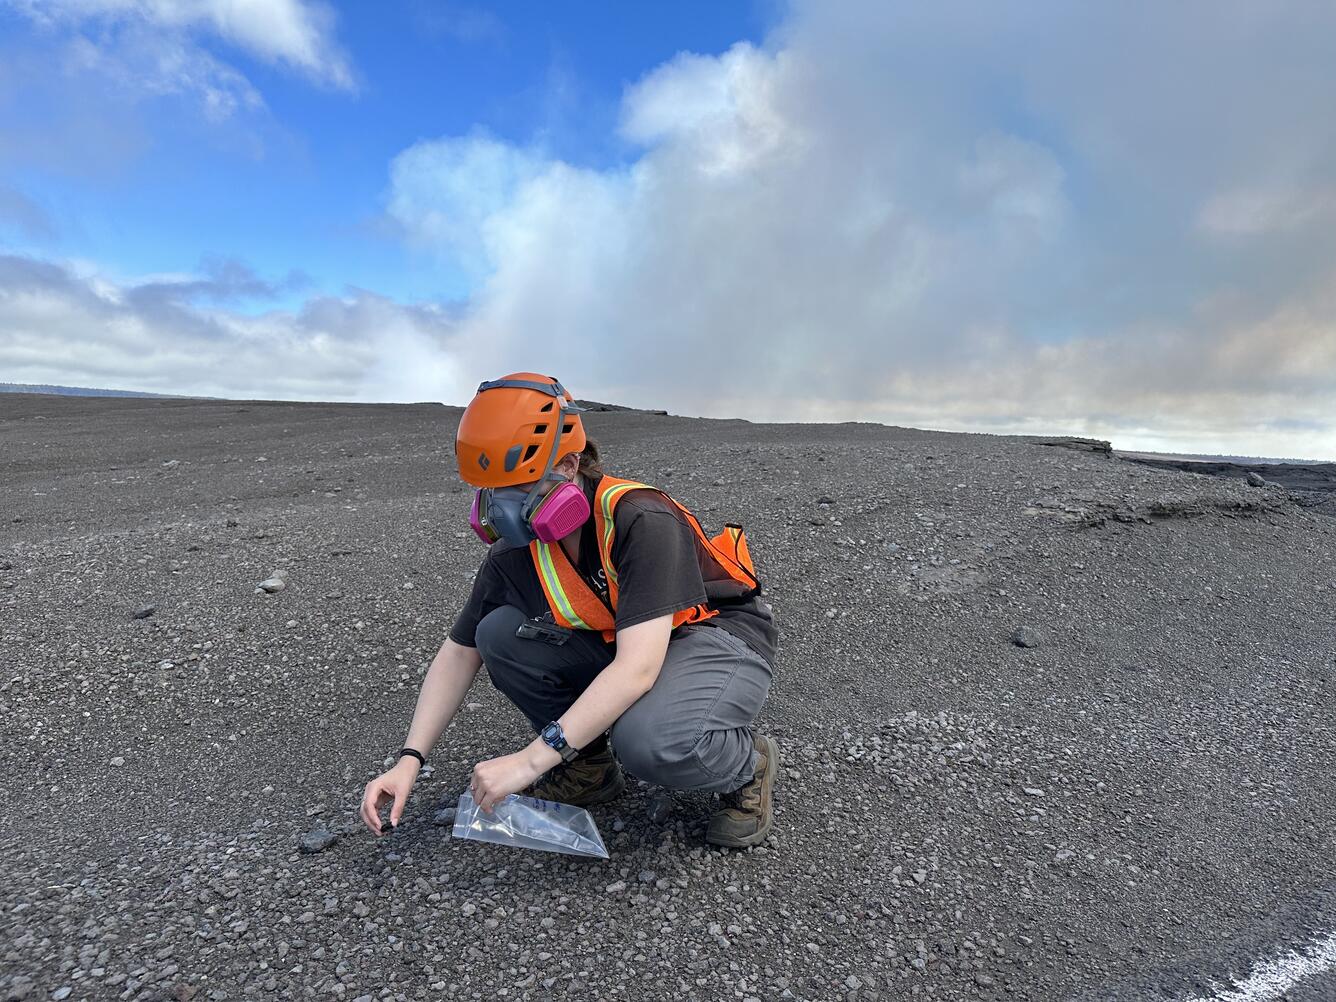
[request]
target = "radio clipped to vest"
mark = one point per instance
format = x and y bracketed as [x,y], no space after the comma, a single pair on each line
[729,574]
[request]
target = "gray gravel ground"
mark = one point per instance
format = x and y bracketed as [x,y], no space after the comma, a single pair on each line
[1147,781]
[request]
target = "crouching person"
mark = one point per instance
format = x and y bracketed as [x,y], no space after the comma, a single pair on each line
[625,634]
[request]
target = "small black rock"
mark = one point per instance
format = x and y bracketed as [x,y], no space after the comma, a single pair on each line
[318,840]
[1025,637]
[659,808]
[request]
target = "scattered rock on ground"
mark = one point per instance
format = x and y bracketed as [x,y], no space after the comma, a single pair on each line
[1024,636]
[659,808]
[318,840]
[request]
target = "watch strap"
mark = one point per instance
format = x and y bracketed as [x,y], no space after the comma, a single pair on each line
[558,743]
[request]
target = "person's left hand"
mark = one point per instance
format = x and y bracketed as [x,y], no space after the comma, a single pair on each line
[497,778]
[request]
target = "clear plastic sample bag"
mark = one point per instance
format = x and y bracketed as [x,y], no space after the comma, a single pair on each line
[530,823]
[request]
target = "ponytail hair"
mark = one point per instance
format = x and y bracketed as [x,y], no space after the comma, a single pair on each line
[591,463]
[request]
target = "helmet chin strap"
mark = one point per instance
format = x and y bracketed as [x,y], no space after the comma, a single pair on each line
[535,498]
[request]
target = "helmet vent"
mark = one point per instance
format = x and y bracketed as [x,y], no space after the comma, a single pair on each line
[528,453]
[566,429]
[540,429]
[546,407]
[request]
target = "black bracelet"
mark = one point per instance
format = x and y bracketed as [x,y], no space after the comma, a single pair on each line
[411,751]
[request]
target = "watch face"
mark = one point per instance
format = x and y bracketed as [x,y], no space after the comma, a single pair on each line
[551,734]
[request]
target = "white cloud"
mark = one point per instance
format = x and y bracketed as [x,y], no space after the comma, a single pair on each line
[1255,211]
[296,33]
[100,77]
[725,109]
[944,216]
[139,65]
[445,193]
[67,325]
[1018,184]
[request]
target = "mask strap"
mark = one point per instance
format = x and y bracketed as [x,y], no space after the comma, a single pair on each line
[564,407]
[534,498]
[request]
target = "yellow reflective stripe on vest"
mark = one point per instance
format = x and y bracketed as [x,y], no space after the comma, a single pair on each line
[554,589]
[608,497]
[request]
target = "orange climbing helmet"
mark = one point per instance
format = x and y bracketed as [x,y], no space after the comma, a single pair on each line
[516,429]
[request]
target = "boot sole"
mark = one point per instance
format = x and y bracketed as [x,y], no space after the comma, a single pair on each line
[768,792]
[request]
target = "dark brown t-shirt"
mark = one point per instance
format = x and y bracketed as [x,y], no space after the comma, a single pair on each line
[656,553]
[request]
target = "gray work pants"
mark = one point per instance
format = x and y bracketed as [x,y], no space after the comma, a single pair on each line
[689,732]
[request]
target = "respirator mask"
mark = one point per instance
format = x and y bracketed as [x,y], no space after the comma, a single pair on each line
[519,516]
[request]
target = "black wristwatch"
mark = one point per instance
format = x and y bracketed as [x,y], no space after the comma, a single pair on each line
[555,738]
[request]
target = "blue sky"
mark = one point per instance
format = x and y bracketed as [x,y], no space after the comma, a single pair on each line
[1116,221]
[301,183]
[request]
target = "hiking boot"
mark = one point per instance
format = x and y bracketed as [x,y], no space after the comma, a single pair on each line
[593,778]
[745,815]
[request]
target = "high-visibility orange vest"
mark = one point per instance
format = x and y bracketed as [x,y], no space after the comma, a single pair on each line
[729,578]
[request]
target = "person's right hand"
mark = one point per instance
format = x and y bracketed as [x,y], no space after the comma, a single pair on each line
[392,786]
